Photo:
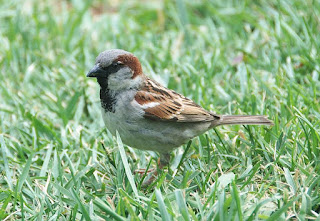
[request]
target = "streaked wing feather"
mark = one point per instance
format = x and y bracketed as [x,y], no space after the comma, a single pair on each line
[171,106]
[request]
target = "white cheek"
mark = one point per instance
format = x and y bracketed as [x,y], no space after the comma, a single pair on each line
[116,80]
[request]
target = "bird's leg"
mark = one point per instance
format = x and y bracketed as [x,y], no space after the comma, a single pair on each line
[146,171]
[163,161]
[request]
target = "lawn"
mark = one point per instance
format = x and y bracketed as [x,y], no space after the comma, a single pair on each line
[59,162]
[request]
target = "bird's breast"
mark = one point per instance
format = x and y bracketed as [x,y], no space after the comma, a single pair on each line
[117,112]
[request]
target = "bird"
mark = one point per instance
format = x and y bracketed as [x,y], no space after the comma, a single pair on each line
[147,115]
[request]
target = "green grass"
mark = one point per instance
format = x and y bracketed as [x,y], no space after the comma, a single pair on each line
[58,162]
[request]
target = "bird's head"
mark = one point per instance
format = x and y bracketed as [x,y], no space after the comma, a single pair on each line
[117,69]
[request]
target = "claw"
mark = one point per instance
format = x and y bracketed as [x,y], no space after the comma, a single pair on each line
[143,171]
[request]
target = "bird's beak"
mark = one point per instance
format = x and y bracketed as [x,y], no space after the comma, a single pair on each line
[96,71]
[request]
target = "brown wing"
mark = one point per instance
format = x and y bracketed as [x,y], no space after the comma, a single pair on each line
[160,103]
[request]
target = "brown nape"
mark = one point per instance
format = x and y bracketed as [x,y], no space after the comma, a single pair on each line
[132,62]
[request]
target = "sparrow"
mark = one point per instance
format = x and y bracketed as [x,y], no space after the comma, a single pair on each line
[147,115]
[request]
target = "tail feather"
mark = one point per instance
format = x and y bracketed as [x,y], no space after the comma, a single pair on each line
[243,119]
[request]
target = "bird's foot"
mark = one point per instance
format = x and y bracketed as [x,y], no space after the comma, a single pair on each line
[141,172]
[148,176]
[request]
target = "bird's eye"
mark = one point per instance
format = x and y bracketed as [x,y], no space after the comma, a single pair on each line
[117,63]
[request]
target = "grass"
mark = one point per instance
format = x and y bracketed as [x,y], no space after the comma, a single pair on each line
[58,162]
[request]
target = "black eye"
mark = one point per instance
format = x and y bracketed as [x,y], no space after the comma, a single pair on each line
[116,64]
[113,67]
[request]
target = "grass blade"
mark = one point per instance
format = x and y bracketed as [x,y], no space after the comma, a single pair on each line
[162,207]
[182,204]
[290,180]
[25,173]
[105,208]
[236,197]
[126,165]
[276,215]
[5,162]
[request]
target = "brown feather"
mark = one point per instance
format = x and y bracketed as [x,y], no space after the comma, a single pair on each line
[132,62]
[172,106]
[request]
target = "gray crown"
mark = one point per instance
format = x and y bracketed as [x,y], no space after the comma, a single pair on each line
[107,57]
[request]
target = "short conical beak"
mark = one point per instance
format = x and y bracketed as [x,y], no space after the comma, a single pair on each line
[96,71]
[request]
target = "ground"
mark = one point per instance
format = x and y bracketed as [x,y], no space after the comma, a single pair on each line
[59,162]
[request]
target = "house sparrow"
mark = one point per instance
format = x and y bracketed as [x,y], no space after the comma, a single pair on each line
[147,115]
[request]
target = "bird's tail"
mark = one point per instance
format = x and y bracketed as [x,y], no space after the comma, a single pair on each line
[243,119]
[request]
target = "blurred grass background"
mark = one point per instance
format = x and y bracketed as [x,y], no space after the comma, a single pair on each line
[58,162]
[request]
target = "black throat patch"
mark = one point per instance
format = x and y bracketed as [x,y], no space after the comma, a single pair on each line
[107,99]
